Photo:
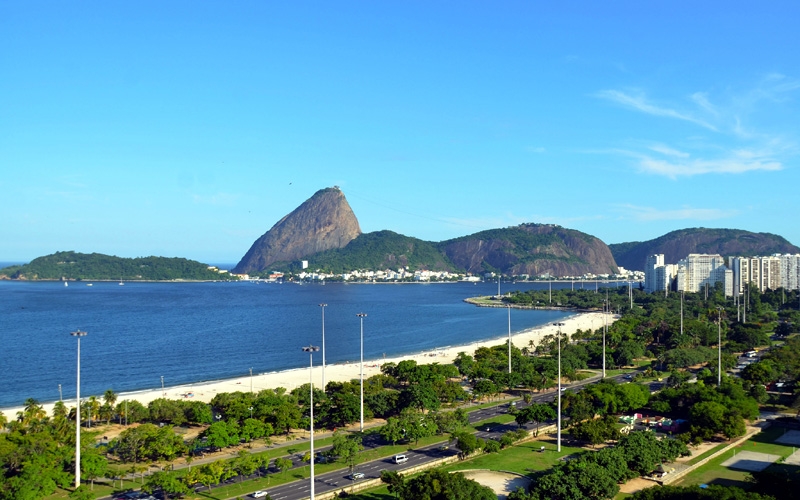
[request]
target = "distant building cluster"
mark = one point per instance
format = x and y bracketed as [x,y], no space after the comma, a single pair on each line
[404,274]
[698,271]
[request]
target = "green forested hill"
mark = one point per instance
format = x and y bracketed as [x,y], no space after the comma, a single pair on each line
[678,244]
[378,250]
[96,266]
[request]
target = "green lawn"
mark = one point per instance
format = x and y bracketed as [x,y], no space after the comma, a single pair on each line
[523,459]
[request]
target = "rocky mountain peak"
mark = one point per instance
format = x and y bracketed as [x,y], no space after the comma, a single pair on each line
[323,222]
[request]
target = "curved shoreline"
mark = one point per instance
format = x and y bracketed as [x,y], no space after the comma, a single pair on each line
[295,377]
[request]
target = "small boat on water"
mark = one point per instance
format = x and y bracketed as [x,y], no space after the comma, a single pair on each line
[66,284]
[89,284]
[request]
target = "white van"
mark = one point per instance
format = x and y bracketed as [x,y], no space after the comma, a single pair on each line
[400,459]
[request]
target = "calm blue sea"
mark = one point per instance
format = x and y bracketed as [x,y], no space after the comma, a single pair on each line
[192,332]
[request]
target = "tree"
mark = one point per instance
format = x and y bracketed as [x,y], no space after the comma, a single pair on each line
[168,482]
[109,397]
[437,484]
[538,413]
[346,446]
[283,464]
[393,430]
[711,492]
[420,396]
[218,435]
[395,481]
[467,442]
[93,465]
[596,431]
[245,464]
[137,412]
[81,493]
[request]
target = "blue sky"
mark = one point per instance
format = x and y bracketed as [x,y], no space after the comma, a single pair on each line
[189,128]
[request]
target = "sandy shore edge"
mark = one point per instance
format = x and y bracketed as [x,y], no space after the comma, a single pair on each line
[340,372]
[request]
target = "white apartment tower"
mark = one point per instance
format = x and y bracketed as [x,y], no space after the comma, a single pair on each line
[699,270]
[651,279]
[766,273]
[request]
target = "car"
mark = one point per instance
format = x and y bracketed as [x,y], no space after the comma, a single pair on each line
[444,447]
[628,377]
[356,475]
[400,459]
[259,494]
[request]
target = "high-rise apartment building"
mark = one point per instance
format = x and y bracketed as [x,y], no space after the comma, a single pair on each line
[651,278]
[700,270]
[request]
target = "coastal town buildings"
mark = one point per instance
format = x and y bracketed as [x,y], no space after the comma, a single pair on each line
[766,273]
[697,271]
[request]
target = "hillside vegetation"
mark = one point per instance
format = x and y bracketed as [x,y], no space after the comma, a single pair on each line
[96,266]
[379,250]
[678,244]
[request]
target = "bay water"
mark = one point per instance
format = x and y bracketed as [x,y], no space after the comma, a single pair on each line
[194,332]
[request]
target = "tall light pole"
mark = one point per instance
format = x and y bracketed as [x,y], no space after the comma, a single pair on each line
[559,325]
[60,396]
[509,339]
[605,328]
[550,291]
[311,350]
[78,334]
[719,346]
[361,316]
[681,313]
[162,386]
[323,345]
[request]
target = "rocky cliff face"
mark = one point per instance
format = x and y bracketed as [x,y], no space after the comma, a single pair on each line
[323,222]
[678,244]
[533,249]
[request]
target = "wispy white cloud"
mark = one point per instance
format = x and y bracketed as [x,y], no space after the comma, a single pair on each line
[674,164]
[735,148]
[646,214]
[701,99]
[640,103]
[668,151]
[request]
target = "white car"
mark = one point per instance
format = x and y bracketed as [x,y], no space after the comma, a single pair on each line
[357,475]
[259,494]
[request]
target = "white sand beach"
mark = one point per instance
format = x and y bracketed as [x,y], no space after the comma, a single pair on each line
[293,378]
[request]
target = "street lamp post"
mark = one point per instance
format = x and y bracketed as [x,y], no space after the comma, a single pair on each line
[361,317]
[719,346]
[605,329]
[559,325]
[311,350]
[509,339]
[323,345]
[78,334]
[162,386]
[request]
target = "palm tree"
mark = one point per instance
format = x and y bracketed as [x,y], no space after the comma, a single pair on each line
[110,397]
[59,409]
[32,412]
[93,408]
